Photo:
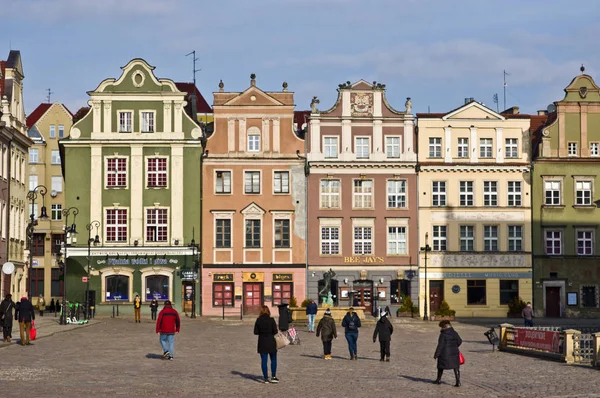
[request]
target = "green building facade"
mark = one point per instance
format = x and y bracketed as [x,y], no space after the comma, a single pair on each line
[132,165]
[565,212]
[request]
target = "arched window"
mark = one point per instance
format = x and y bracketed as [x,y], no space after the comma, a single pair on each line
[157,287]
[253,139]
[117,288]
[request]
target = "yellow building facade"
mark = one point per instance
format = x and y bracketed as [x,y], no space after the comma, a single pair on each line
[474,210]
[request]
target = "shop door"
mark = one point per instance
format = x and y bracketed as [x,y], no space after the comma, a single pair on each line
[552,302]
[436,295]
[253,298]
[187,293]
[363,296]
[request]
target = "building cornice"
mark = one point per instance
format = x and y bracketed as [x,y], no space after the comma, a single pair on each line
[495,168]
[361,165]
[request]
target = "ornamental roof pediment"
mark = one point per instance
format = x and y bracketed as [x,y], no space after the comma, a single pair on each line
[582,89]
[254,96]
[473,110]
[137,78]
[253,209]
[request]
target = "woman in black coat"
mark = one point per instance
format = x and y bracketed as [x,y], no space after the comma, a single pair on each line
[6,317]
[266,329]
[285,317]
[447,353]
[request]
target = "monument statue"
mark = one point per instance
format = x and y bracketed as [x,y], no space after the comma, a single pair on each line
[313,105]
[408,105]
[325,292]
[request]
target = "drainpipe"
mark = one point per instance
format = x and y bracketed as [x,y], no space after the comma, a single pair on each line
[201,251]
[306,173]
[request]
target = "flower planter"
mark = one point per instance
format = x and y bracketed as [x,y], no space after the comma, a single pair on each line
[513,315]
[405,314]
[442,317]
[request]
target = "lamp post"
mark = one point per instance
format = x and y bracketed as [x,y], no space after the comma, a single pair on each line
[32,196]
[194,246]
[73,230]
[426,249]
[95,241]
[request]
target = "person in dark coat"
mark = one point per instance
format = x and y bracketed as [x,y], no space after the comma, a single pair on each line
[24,314]
[447,353]
[285,317]
[266,329]
[311,313]
[6,317]
[326,329]
[52,308]
[384,329]
[154,308]
[351,323]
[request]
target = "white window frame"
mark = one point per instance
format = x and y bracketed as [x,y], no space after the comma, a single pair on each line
[361,197]
[557,235]
[331,147]
[515,240]
[486,148]
[362,237]
[594,148]
[466,193]
[282,216]
[33,182]
[56,212]
[253,142]
[55,159]
[511,148]
[117,226]
[126,172]
[467,238]
[157,173]
[253,172]
[555,187]
[284,187]
[156,225]
[440,238]
[585,199]
[490,193]
[328,195]
[224,180]
[490,238]
[34,155]
[56,183]
[396,189]
[514,193]
[435,147]
[122,128]
[462,147]
[397,238]
[61,131]
[52,131]
[392,148]
[438,194]
[359,149]
[330,226]
[152,125]
[572,148]
[588,241]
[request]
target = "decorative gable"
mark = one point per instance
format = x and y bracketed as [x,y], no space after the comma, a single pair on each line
[137,76]
[254,96]
[253,210]
[473,110]
[582,89]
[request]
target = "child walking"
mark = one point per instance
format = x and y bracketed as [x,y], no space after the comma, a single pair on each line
[326,329]
[384,329]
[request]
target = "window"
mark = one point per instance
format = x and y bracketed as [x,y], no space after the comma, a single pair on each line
[594,149]
[509,290]
[33,182]
[282,233]
[515,238]
[57,183]
[56,284]
[463,147]
[466,193]
[34,155]
[435,147]
[553,242]
[585,243]
[490,238]
[116,225]
[223,182]
[281,182]
[490,193]
[514,193]
[438,193]
[222,294]
[156,225]
[157,172]
[38,244]
[252,233]
[117,287]
[116,172]
[485,147]
[223,233]
[330,240]
[583,195]
[476,292]
[467,238]
[392,147]
[253,142]
[572,148]
[330,194]
[125,119]
[396,194]
[552,193]
[588,296]
[396,240]
[61,131]
[511,148]
[439,238]
[363,243]
[36,280]
[157,287]
[57,241]
[282,292]
[362,147]
[56,212]
[55,157]
[52,131]
[147,122]
[363,194]
[252,182]
[330,147]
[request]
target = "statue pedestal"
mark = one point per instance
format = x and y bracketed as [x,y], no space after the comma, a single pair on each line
[337,313]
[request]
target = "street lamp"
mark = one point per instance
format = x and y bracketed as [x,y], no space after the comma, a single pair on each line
[426,249]
[194,246]
[95,241]
[73,230]
[32,196]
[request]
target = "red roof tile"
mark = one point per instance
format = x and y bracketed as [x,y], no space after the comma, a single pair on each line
[536,125]
[201,104]
[37,114]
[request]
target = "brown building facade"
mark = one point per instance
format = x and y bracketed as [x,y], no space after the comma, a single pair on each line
[362,200]
[254,219]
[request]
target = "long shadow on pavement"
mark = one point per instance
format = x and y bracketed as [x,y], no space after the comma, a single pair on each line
[419,379]
[153,356]
[258,379]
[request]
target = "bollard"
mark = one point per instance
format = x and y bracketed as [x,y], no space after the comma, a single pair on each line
[117,309]
[113,315]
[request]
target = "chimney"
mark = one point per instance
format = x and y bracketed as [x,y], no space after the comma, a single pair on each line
[513,110]
[4,106]
[253,80]
[542,112]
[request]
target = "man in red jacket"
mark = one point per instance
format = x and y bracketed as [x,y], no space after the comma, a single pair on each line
[167,325]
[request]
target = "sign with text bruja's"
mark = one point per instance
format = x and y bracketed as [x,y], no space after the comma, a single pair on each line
[537,339]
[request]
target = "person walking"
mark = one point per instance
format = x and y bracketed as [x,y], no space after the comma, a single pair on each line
[311,313]
[447,353]
[24,314]
[326,329]
[6,317]
[266,329]
[285,317]
[52,307]
[351,323]
[167,325]
[154,308]
[384,330]
[137,306]
[41,305]
[527,315]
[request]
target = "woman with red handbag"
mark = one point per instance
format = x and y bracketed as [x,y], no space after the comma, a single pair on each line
[447,353]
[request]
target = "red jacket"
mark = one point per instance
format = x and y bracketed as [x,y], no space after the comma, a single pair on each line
[168,321]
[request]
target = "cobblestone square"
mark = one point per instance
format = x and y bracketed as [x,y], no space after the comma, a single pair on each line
[116,357]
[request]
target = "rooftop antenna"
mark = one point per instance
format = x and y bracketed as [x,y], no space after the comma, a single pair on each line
[496,102]
[194,59]
[505,74]
[50,92]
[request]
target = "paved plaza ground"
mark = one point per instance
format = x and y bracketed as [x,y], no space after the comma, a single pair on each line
[116,357]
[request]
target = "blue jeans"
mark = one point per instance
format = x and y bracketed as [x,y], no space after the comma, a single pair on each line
[263,364]
[529,322]
[352,338]
[311,322]
[168,343]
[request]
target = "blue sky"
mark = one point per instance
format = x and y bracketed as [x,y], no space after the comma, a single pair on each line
[436,51]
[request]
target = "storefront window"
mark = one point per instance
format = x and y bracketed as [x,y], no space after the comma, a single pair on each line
[56,286]
[476,292]
[222,294]
[117,287]
[157,287]
[282,292]
[399,288]
[509,290]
